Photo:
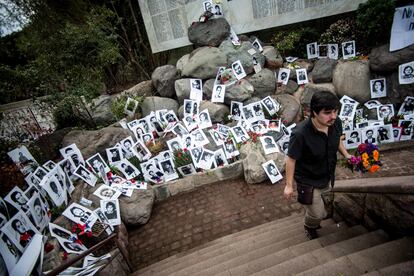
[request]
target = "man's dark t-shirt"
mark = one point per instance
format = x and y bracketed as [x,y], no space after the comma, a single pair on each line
[315,153]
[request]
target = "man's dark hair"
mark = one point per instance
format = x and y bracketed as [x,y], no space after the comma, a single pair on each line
[323,100]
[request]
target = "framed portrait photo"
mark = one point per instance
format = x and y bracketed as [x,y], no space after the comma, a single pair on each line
[128,169]
[333,51]
[406,73]
[272,171]
[312,50]
[187,170]
[86,175]
[385,134]
[219,91]
[378,88]
[168,169]
[352,138]
[385,111]
[236,110]
[301,76]
[98,165]
[114,155]
[238,70]
[348,49]
[111,210]
[269,145]
[196,91]
[271,105]
[106,192]
[283,76]
[79,214]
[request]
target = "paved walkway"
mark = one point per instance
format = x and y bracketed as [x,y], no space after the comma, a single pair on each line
[191,219]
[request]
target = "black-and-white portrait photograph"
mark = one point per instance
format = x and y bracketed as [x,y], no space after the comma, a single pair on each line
[9,252]
[236,110]
[188,142]
[396,131]
[233,37]
[168,169]
[128,169]
[283,76]
[238,70]
[154,123]
[98,165]
[218,93]
[17,199]
[406,73]
[248,113]
[196,92]
[49,165]
[302,76]
[188,107]
[348,49]
[271,105]
[130,106]
[218,75]
[196,154]
[54,189]
[406,129]
[230,149]
[348,110]
[79,214]
[111,210]
[126,145]
[284,143]
[170,117]
[152,172]
[272,171]
[40,173]
[218,10]
[23,159]
[269,145]
[407,107]
[206,160]
[239,134]
[312,50]
[220,159]
[187,170]
[144,124]
[259,127]
[138,132]
[369,135]
[147,138]
[218,138]
[102,218]
[208,6]
[73,153]
[141,151]
[174,144]
[106,192]
[200,138]
[371,104]
[274,125]
[133,124]
[20,230]
[378,88]
[352,139]
[385,134]
[385,111]
[114,155]
[38,211]
[59,232]
[223,129]
[166,154]
[257,111]
[4,211]
[347,100]
[322,51]
[190,122]
[204,120]
[72,247]
[347,123]
[333,51]
[256,43]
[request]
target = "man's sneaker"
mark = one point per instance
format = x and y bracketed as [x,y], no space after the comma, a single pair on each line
[311,233]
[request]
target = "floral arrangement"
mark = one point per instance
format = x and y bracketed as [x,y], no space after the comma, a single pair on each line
[366,159]
[182,157]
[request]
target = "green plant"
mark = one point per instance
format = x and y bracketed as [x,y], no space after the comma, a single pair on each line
[341,31]
[293,42]
[375,18]
[70,112]
[118,106]
[182,157]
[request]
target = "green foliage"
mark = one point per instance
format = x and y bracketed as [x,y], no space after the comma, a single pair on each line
[118,105]
[71,112]
[375,18]
[341,31]
[182,157]
[293,42]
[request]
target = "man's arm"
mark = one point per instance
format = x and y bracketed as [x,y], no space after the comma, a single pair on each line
[343,150]
[290,170]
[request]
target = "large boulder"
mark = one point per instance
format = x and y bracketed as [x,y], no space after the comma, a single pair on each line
[352,78]
[157,103]
[90,142]
[264,83]
[181,63]
[323,70]
[289,88]
[100,110]
[163,79]
[238,91]
[182,89]
[382,60]
[397,92]
[117,266]
[273,59]
[312,88]
[210,33]
[241,53]
[208,89]
[204,62]
[136,210]
[143,88]
[290,111]
[300,63]
[217,111]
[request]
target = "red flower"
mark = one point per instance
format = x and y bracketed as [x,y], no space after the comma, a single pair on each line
[74,227]
[185,149]
[25,237]
[362,147]
[48,247]
[78,241]
[65,255]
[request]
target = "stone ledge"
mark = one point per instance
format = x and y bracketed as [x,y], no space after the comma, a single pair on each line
[191,182]
[383,185]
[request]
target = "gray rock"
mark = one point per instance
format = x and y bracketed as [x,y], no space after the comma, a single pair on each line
[217,111]
[90,142]
[163,79]
[397,92]
[210,33]
[117,266]
[156,103]
[235,53]
[323,70]
[100,109]
[290,88]
[182,89]
[136,210]
[264,83]
[239,91]
[352,78]
[204,63]
[208,89]
[302,63]
[182,62]
[290,111]
[252,100]
[141,89]
[273,59]
[382,60]
[53,258]
[312,88]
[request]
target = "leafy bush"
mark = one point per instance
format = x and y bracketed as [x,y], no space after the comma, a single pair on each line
[375,18]
[341,31]
[293,42]
[118,105]
[71,112]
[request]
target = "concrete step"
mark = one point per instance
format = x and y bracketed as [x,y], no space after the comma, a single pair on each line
[224,244]
[403,268]
[326,254]
[367,260]
[250,261]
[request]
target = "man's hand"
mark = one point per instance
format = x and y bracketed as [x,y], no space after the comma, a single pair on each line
[288,192]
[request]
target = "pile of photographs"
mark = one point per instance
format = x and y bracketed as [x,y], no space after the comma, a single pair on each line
[315,50]
[358,129]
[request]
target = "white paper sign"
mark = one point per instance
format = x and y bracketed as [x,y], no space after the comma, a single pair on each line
[402,31]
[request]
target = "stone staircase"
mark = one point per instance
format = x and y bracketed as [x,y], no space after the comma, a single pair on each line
[281,248]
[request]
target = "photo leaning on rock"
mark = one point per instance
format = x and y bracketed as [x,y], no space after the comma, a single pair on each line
[214,137]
